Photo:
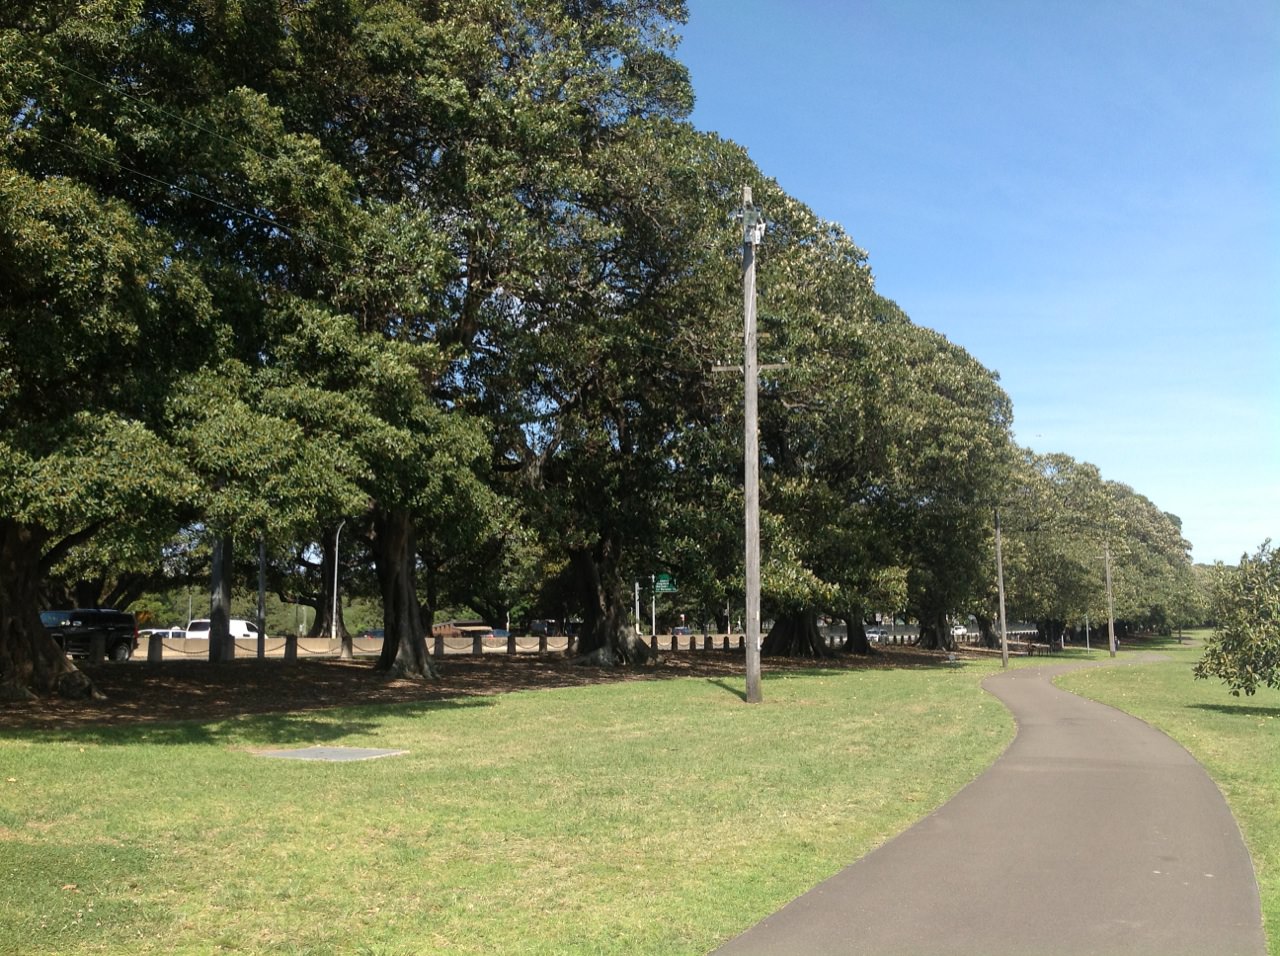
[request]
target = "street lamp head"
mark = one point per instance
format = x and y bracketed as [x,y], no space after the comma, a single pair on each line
[752,219]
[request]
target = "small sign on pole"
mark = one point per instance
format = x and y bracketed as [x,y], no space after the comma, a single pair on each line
[664,584]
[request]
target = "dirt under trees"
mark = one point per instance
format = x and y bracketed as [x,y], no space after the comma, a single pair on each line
[140,692]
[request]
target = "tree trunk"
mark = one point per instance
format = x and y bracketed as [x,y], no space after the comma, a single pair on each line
[404,648]
[605,637]
[855,635]
[31,664]
[987,628]
[935,634]
[221,645]
[796,635]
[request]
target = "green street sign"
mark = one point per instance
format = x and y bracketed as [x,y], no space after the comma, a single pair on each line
[664,584]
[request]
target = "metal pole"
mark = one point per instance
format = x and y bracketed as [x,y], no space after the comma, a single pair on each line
[638,631]
[1004,631]
[653,605]
[752,228]
[1111,608]
[333,621]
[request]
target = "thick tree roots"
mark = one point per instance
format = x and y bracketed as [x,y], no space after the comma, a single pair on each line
[628,653]
[796,635]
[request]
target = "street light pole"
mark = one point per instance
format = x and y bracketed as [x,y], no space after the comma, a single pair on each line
[333,620]
[752,232]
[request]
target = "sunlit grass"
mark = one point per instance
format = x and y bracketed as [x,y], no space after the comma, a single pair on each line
[653,817]
[1237,739]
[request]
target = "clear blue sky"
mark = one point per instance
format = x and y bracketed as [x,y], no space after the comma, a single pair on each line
[1084,194]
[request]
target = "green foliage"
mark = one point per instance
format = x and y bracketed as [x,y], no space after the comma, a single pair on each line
[884,443]
[273,267]
[604,374]
[1244,651]
[1060,517]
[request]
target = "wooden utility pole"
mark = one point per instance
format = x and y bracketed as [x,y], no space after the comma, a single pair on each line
[752,232]
[1004,632]
[1111,607]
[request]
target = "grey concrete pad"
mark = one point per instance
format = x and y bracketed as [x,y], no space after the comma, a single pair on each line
[337,754]
[1092,835]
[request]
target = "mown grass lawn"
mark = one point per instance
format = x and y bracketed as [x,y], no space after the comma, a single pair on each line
[650,817]
[1237,739]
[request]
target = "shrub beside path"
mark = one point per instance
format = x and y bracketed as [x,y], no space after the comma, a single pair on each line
[1092,834]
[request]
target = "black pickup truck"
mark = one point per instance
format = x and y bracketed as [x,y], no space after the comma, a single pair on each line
[75,630]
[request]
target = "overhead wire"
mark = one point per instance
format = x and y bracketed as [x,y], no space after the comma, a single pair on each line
[273,220]
[159,109]
[274,223]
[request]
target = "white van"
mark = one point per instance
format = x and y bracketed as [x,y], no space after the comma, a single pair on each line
[240,629]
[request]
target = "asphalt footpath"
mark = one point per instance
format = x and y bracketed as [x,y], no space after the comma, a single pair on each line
[1092,834]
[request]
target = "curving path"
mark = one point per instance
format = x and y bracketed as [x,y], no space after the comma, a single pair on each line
[1092,834]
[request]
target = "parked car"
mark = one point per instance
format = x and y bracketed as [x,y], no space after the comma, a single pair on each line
[372,634]
[240,629]
[877,635]
[75,630]
[173,633]
[958,631]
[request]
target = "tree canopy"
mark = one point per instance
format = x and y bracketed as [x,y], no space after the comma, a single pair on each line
[458,277]
[1244,652]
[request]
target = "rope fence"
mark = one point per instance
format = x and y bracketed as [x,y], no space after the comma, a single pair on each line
[289,646]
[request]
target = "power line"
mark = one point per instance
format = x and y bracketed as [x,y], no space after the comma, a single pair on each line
[160,109]
[274,223]
[272,220]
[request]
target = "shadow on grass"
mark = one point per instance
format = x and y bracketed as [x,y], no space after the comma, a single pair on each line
[322,699]
[725,685]
[1239,710]
[252,729]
